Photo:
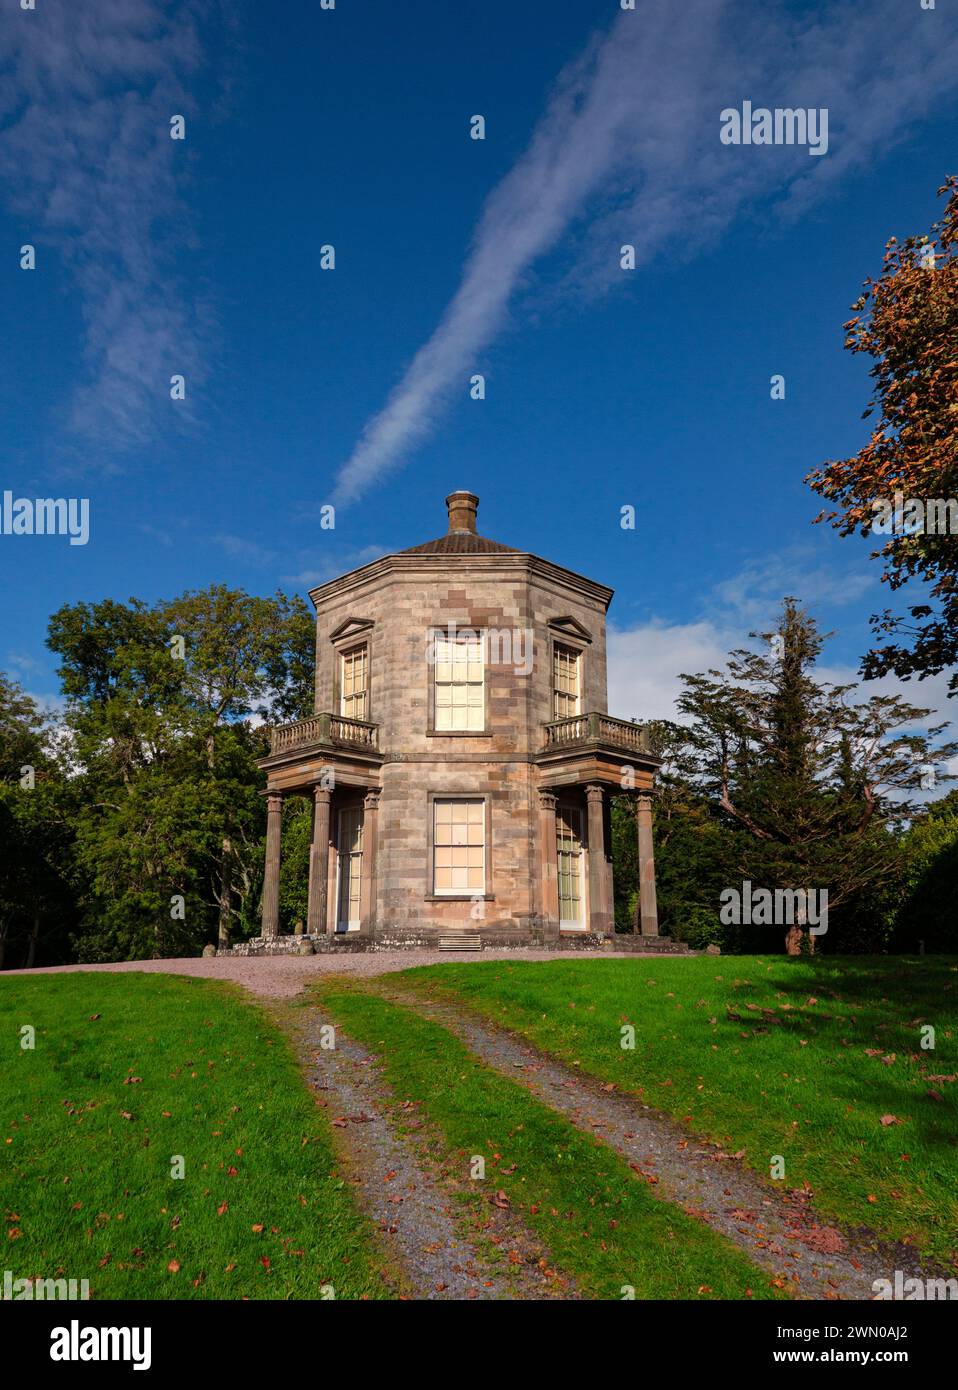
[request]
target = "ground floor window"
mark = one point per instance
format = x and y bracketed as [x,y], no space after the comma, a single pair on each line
[570,865]
[350,868]
[459,846]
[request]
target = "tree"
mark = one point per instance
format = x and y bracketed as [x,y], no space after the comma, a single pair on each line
[926,912]
[36,895]
[166,707]
[907,320]
[805,780]
[688,838]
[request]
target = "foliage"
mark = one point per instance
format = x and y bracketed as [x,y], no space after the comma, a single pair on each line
[165,711]
[907,320]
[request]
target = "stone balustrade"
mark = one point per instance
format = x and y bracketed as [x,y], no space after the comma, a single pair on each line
[597,728]
[325,730]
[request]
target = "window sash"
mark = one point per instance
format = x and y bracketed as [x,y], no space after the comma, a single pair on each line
[354,682]
[565,682]
[459,685]
[569,864]
[459,847]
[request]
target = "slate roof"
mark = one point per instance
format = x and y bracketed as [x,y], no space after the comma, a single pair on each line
[461,543]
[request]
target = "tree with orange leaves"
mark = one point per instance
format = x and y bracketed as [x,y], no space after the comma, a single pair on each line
[908,322]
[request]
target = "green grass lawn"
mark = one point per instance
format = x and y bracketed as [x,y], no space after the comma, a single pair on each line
[597,1217]
[128,1071]
[832,1076]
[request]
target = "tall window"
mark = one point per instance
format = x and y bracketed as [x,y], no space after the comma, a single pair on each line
[565,682]
[350,867]
[354,682]
[459,683]
[459,847]
[569,857]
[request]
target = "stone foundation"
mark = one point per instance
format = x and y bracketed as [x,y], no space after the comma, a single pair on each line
[427,939]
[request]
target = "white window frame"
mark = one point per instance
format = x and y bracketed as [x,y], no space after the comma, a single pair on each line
[345,655]
[453,891]
[560,651]
[343,924]
[581,922]
[443,648]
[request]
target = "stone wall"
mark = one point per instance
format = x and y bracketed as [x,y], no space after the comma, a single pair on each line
[513,595]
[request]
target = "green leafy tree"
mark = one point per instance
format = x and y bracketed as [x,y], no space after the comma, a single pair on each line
[166,706]
[807,782]
[36,834]
[925,914]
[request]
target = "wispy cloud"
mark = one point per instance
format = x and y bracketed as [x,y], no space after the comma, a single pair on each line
[628,150]
[93,177]
[252,552]
[334,565]
[752,598]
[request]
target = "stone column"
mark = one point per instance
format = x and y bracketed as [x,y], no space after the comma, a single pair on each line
[367,888]
[599,915]
[648,912]
[274,832]
[318,864]
[548,864]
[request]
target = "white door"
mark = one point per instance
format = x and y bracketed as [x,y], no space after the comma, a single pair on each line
[571,867]
[350,868]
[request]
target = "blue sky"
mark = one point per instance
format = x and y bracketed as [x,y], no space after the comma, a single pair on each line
[604,387]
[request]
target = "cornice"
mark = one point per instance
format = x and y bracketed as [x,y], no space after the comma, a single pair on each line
[452,566]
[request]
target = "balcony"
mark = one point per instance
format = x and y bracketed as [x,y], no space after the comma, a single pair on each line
[597,728]
[595,747]
[325,731]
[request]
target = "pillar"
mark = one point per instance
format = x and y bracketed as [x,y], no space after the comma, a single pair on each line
[648,912]
[318,864]
[600,918]
[367,888]
[274,832]
[548,864]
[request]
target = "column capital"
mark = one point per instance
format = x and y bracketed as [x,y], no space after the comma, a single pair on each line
[594,791]
[321,794]
[547,800]
[274,800]
[371,799]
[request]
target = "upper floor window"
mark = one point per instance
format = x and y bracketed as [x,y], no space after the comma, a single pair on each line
[565,682]
[460,683]
[354,682]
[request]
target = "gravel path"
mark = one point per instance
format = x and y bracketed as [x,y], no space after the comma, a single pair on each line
[281,977]
[410,1202]
[777,1230]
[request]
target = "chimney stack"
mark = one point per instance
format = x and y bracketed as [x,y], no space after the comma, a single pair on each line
[462,512]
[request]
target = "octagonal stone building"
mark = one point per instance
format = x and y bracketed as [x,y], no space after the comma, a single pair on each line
[461,757]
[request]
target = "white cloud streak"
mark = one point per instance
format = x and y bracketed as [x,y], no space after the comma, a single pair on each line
[93,177]
[628,150]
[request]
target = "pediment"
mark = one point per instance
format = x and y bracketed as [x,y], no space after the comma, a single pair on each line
[351,627]
[570,627]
